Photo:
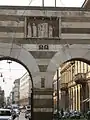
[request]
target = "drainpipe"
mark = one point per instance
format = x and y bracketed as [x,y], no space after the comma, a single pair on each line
[58,93]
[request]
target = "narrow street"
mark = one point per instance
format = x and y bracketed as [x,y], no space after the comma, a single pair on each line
[21,117]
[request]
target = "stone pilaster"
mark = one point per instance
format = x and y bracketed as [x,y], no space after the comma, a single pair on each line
[42,104]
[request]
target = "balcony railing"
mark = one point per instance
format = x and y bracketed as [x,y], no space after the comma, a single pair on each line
[64,86]
[80,78]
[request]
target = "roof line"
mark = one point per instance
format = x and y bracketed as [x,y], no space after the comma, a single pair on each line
[85,2]
[40,8]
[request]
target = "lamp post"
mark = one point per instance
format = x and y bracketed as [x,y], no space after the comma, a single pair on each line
[1,75]
[9,62]
[58,93]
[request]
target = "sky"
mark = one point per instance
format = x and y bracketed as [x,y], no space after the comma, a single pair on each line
[16,69]
[64,3]
[10,72]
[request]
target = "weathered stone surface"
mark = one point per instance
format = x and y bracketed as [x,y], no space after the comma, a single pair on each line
[42,68]
[42,54]
[43,104]
[86,4]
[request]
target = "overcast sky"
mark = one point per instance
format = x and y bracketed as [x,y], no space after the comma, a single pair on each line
[10,72]
[70,3]
[17,70]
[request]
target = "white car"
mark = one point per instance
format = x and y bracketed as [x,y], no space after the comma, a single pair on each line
[28,114]
[5,114]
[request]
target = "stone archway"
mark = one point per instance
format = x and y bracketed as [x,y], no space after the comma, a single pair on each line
[68,53]
[19,54]
[22,56]
[65,54]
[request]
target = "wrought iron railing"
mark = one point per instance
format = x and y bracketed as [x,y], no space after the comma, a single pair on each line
[80,78]
[64,86]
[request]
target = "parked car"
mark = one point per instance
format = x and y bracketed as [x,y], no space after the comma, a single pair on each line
[88,115]
[14,115]
[28,107]
[28,114]
[65,115]
[55,115]
[5,114]
[16,109]
[75,115]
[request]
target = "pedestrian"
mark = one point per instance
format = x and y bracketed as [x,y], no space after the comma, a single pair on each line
[62,112]
[88,115]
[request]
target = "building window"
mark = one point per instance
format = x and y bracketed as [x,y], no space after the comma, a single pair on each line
[80,66]
[87,67]
[42,82]
[77,66]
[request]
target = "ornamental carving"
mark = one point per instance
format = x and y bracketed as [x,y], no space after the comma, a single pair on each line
[42,28]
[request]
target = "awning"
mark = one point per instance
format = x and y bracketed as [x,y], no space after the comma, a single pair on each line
[88,100]
[85,100]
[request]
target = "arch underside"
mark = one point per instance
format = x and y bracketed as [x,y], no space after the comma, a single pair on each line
[67,53]
[20,55]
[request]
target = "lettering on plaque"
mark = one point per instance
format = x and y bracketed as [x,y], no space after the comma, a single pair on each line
[43,47]
[40,47]
[46,47]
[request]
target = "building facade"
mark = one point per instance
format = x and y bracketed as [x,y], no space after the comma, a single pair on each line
[8,101]
[11,97]
[70,27]
[2,95]
[16,91]
[75,86]
[25,89]
[86,4]
[57,76]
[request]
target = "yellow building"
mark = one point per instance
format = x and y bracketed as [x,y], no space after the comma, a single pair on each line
[75,86]
[55,88]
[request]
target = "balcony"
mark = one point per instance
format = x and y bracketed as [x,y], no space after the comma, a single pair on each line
[64,86]
[80,78]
